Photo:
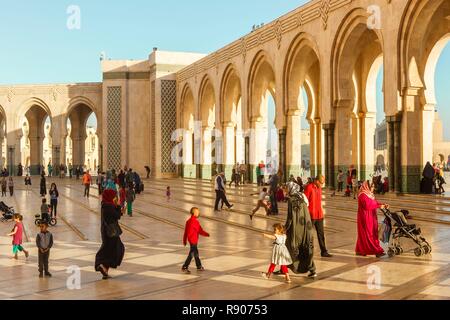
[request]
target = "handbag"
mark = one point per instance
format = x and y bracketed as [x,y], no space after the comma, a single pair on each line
[113,230]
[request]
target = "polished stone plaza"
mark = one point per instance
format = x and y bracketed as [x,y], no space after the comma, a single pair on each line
[234,256]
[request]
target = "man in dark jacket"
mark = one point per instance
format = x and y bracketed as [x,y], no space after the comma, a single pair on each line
[220,192]
[44,242]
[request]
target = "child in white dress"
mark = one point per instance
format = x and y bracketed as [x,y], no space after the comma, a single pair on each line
[280,254]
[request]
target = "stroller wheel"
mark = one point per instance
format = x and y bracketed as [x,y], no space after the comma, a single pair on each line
[37,222]
[397,251]
[427,249]
[418,252]
[53,222]
[401,251]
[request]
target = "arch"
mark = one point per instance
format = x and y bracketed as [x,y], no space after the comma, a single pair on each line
[303,54]
[261,79]
[430,69]
[230,93]
[28,104]
[425,22]
[187,108]
[80,100]
[371,85]
[207,102]
[351,39]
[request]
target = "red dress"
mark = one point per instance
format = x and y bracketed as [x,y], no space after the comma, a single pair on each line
[368,242]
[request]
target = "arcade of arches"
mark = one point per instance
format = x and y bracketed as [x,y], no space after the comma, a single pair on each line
[335,58]
[192,115]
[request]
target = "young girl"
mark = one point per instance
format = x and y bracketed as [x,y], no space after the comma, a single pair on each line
[17,233]
[280,254]
[168,193]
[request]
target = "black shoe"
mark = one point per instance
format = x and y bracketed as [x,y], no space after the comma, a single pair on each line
[41,275]
[326,255]
[201,269]
[312,275]
[231,207]
[48,274]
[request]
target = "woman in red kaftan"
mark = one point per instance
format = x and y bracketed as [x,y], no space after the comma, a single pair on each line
[368,242]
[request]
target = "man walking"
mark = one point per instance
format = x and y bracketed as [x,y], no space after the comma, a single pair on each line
[313,192]
[220,192]
[87,180]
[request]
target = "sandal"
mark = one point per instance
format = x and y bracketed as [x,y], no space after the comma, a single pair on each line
[102,270]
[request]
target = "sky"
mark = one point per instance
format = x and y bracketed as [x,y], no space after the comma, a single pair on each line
[37,46]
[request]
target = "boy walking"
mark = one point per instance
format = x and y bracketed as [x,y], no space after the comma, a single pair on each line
[44,242]
[191,233]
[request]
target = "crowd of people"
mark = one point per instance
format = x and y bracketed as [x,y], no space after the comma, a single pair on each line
[293,242]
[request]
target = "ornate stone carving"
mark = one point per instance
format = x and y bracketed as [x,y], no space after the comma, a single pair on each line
[324,11]
[10,95]
[244,48]
[278,29]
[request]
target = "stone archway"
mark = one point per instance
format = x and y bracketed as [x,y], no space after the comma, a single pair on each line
[232,117]
[207,107]
[357,59]
[188,124]
[261,86]
[425,29]
[302,77]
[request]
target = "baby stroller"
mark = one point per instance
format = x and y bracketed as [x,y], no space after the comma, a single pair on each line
[399,228]
[7,212]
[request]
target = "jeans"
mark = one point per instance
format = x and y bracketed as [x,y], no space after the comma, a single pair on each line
[53,206]
[340,186]
[273,202]
[193,253]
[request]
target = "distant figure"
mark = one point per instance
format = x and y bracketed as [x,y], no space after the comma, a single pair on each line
[49,169]
[131,196]
[4,184]
[54,195]
[19,170]
[27,182]
[11,186]
[147,168]
[168,193]
[87,180]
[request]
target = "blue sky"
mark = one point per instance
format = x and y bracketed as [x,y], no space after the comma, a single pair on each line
[37,47]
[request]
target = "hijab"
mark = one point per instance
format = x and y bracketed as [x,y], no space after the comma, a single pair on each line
[428,172]
[108,196]
[365,189]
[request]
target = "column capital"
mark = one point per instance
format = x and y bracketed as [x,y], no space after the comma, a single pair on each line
[228,124]
[395,118]
[412,91]
[343,103]
[329,126]
[294,113]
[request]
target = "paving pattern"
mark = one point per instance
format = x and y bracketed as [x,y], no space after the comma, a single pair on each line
[234,256]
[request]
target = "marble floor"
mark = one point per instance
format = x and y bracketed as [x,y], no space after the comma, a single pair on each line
[234,256]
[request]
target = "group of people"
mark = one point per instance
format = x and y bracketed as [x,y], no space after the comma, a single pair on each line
[238,175]
[7,183]
[433,180]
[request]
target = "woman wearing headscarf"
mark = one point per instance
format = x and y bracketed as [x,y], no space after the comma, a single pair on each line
[43,185]
[427,181]
[299,228]
[368,242]
[112,250]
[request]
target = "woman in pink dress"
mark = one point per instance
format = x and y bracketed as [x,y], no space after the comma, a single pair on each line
[368,242]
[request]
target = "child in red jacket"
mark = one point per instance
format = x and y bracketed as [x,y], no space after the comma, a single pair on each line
[191,233]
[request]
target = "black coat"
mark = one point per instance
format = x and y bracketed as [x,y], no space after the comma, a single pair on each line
[112,250]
